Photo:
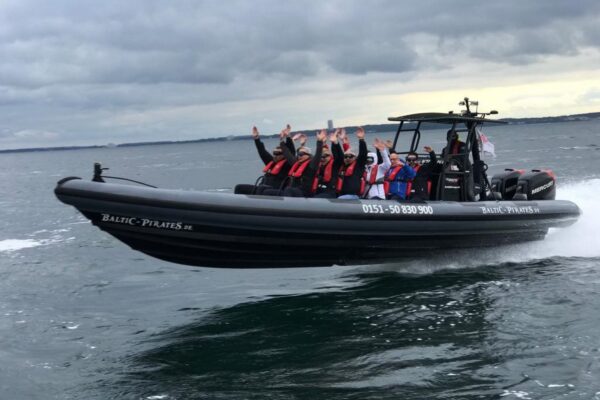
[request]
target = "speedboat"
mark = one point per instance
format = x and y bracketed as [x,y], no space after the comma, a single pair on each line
[227,230]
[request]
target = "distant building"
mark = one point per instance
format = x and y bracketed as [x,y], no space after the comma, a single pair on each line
[330,125]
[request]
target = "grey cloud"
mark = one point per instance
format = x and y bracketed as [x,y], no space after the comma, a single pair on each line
[93,57]
[212,42]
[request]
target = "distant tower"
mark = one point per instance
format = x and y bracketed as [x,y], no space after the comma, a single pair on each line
[330,125]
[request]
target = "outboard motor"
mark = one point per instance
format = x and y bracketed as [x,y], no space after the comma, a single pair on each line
[536,185]
[505,183]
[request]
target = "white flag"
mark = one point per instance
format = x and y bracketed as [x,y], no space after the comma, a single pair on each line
[486,146]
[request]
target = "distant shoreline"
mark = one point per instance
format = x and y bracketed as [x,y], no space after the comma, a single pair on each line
[368,128]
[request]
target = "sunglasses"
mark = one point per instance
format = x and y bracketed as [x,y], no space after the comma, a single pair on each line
[349,156]
[326,156]
[411,159]
[277,153]
[301,153]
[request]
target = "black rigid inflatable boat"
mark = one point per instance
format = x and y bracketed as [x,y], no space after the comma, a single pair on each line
[245,231]
[249,231]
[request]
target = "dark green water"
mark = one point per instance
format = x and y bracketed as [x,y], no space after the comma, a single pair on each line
[84,317]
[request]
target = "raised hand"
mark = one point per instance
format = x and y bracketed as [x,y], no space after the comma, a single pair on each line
[333,137]
[389,144]
[322,136]
[297,136]
[341,133]
[282,135]
[428,149]
[255,132]
[303,139]
[379,144]
[360,133]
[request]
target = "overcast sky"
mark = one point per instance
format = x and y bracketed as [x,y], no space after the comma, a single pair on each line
[93,72]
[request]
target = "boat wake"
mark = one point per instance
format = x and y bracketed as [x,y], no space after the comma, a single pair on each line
[579,240]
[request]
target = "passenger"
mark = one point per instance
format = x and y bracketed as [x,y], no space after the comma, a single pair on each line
[419,189]
[276,166]
[375,173]
[331,160]
[303,174]
[351,182]
[397,177]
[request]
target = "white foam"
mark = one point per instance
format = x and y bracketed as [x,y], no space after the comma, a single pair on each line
[581,239]
[18,244]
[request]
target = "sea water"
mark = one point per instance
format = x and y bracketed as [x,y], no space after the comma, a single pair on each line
[82,316]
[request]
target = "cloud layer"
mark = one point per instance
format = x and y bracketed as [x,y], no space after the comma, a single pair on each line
[91,71]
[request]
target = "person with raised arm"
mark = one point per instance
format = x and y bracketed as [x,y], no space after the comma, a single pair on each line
[276,166]
[351,182]
[419,188]
[303,174]
[375,171]
[331,160]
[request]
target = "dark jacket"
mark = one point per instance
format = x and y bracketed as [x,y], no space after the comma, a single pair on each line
[419,184]
[274,181]
[305,182]
[352,183]
[337,158]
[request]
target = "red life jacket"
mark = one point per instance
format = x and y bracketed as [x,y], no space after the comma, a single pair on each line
[373,175]
[348,170]
[273,168]
[297,171]
[390,176]
[456,147]
[325,173]
[298,168]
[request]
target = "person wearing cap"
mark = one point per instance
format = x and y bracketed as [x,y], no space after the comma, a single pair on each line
[331,160]
[375,172]
[303,173]
[419,188]
[351,182]
[397,177]
[276,167]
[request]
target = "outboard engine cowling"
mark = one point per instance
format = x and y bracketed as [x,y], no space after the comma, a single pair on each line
[536,185]
[505,183]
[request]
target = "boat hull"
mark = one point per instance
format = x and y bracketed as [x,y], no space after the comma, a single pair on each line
[241,231]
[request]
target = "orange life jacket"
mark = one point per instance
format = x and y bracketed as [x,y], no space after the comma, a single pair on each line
[274,168]
[325,173]
[373,175]
[298,168]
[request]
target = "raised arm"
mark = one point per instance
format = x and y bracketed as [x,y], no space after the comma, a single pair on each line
[314,162]
[385,155]
[284,136]
[265,156]
[362,146]
[432,158]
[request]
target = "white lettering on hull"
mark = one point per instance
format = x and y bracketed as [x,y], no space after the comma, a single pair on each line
[145,222]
